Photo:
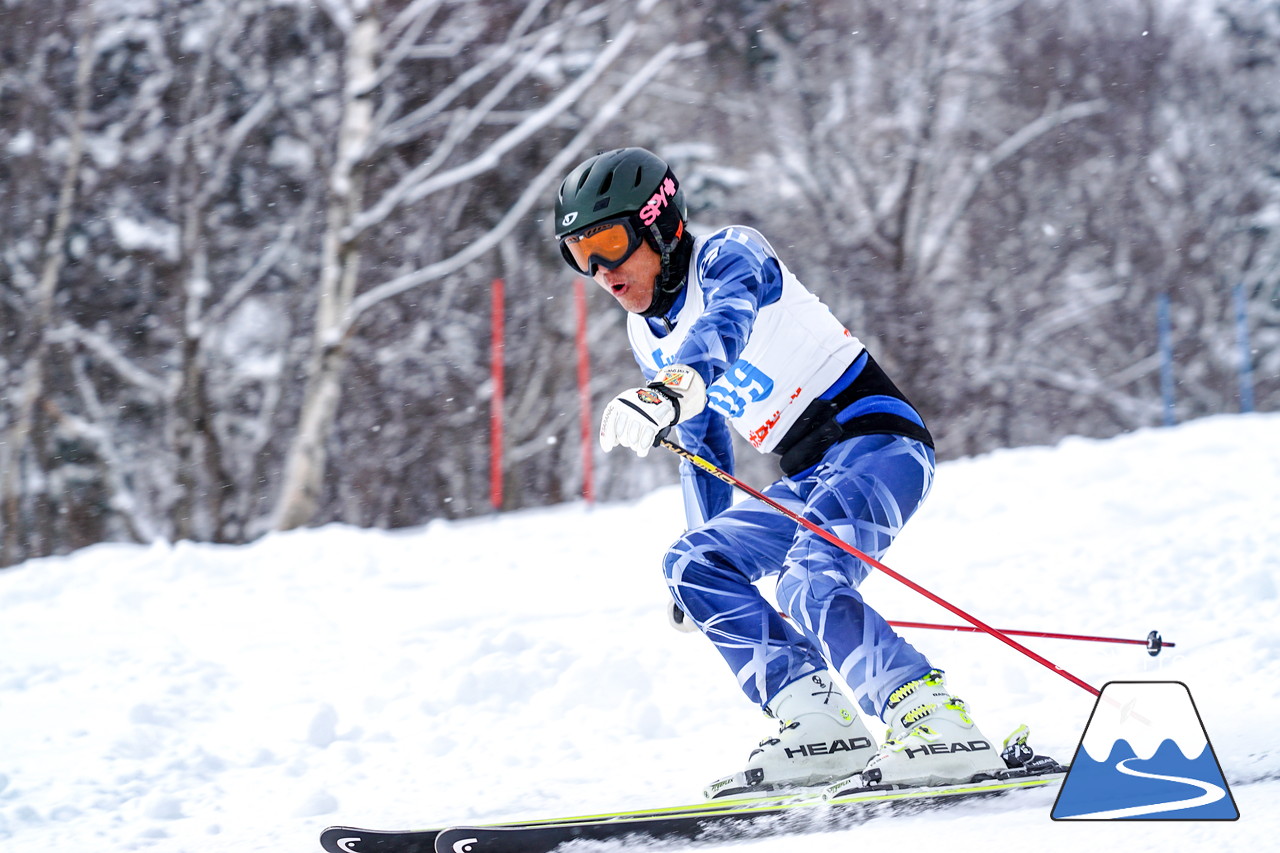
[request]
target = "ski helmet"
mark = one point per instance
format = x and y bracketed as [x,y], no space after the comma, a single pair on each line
[615,184]
[636,189]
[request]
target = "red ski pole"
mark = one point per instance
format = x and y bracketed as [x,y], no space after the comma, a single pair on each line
[1154,643]
[726,477]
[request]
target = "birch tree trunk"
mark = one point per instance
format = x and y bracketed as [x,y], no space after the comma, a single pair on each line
[340,264]
[340,308]
[16,450]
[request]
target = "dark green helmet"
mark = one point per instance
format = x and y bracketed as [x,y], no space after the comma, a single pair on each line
[637,190]
[619,183]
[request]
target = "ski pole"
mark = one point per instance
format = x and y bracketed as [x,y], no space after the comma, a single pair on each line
[714,470]
[1154,643]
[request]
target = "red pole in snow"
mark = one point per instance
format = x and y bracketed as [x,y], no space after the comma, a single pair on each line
[584,391]
[496,347]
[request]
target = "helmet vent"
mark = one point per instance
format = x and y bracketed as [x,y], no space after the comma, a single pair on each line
[639,174]
[601,204]
[606,183]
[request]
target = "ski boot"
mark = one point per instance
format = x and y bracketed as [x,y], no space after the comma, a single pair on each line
[932,740]
[820,738]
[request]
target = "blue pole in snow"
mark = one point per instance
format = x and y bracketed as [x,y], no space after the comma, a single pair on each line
[1246,355]
[1165,332]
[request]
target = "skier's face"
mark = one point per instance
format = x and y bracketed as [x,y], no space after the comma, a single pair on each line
[631,283]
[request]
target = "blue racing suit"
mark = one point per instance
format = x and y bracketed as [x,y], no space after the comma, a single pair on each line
[858,462]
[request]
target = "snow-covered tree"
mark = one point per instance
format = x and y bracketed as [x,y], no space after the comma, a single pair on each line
[442,141]
[246,249]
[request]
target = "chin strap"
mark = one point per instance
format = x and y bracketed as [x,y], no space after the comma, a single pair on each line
[673,259]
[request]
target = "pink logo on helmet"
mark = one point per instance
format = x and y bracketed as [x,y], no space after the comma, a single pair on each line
[659,200]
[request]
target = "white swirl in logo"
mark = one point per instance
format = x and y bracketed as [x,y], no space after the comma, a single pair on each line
[464,845]
[347,844]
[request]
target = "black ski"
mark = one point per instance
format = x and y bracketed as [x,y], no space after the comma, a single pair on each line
[350,839]
[707,822]
[807,815]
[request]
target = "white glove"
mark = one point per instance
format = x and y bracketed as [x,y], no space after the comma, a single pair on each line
[637,416]
[634,418]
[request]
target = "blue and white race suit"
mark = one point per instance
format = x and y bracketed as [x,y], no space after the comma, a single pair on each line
[769,350]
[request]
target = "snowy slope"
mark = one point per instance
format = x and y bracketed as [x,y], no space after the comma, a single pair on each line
[199,698]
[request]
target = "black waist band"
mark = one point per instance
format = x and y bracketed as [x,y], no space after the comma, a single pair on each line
[817,429]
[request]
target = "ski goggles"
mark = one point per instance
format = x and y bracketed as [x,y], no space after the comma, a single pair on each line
[606,244]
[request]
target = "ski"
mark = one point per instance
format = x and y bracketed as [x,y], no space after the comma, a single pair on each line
[349,839]
[811,811]
[809,814]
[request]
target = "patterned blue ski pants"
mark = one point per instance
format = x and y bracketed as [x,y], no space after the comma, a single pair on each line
[863,491]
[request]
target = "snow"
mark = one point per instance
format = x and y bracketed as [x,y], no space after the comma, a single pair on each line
[21,143]
[182,697]
[151,235]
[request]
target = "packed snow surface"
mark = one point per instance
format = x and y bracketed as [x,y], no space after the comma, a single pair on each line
[181,697]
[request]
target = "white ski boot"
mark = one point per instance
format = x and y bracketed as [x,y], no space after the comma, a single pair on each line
[932,739]
[820,738]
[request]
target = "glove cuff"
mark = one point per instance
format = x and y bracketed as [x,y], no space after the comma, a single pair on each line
[684,387]
[672,397]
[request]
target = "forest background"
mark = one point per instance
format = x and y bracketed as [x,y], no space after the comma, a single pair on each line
[246,248]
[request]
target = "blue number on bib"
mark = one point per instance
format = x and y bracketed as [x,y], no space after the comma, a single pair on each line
[742,383]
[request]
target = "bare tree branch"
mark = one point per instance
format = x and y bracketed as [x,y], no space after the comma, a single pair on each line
[533,193]
[940,229]
[416,186]
[158,389]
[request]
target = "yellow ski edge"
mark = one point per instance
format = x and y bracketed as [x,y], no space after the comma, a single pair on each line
[809,799]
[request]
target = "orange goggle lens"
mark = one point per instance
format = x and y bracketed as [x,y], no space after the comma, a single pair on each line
[607,244]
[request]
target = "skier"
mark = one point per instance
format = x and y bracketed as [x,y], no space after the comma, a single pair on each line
[726,335]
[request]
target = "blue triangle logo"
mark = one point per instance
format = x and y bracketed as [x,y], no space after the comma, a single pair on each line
[1145,755]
